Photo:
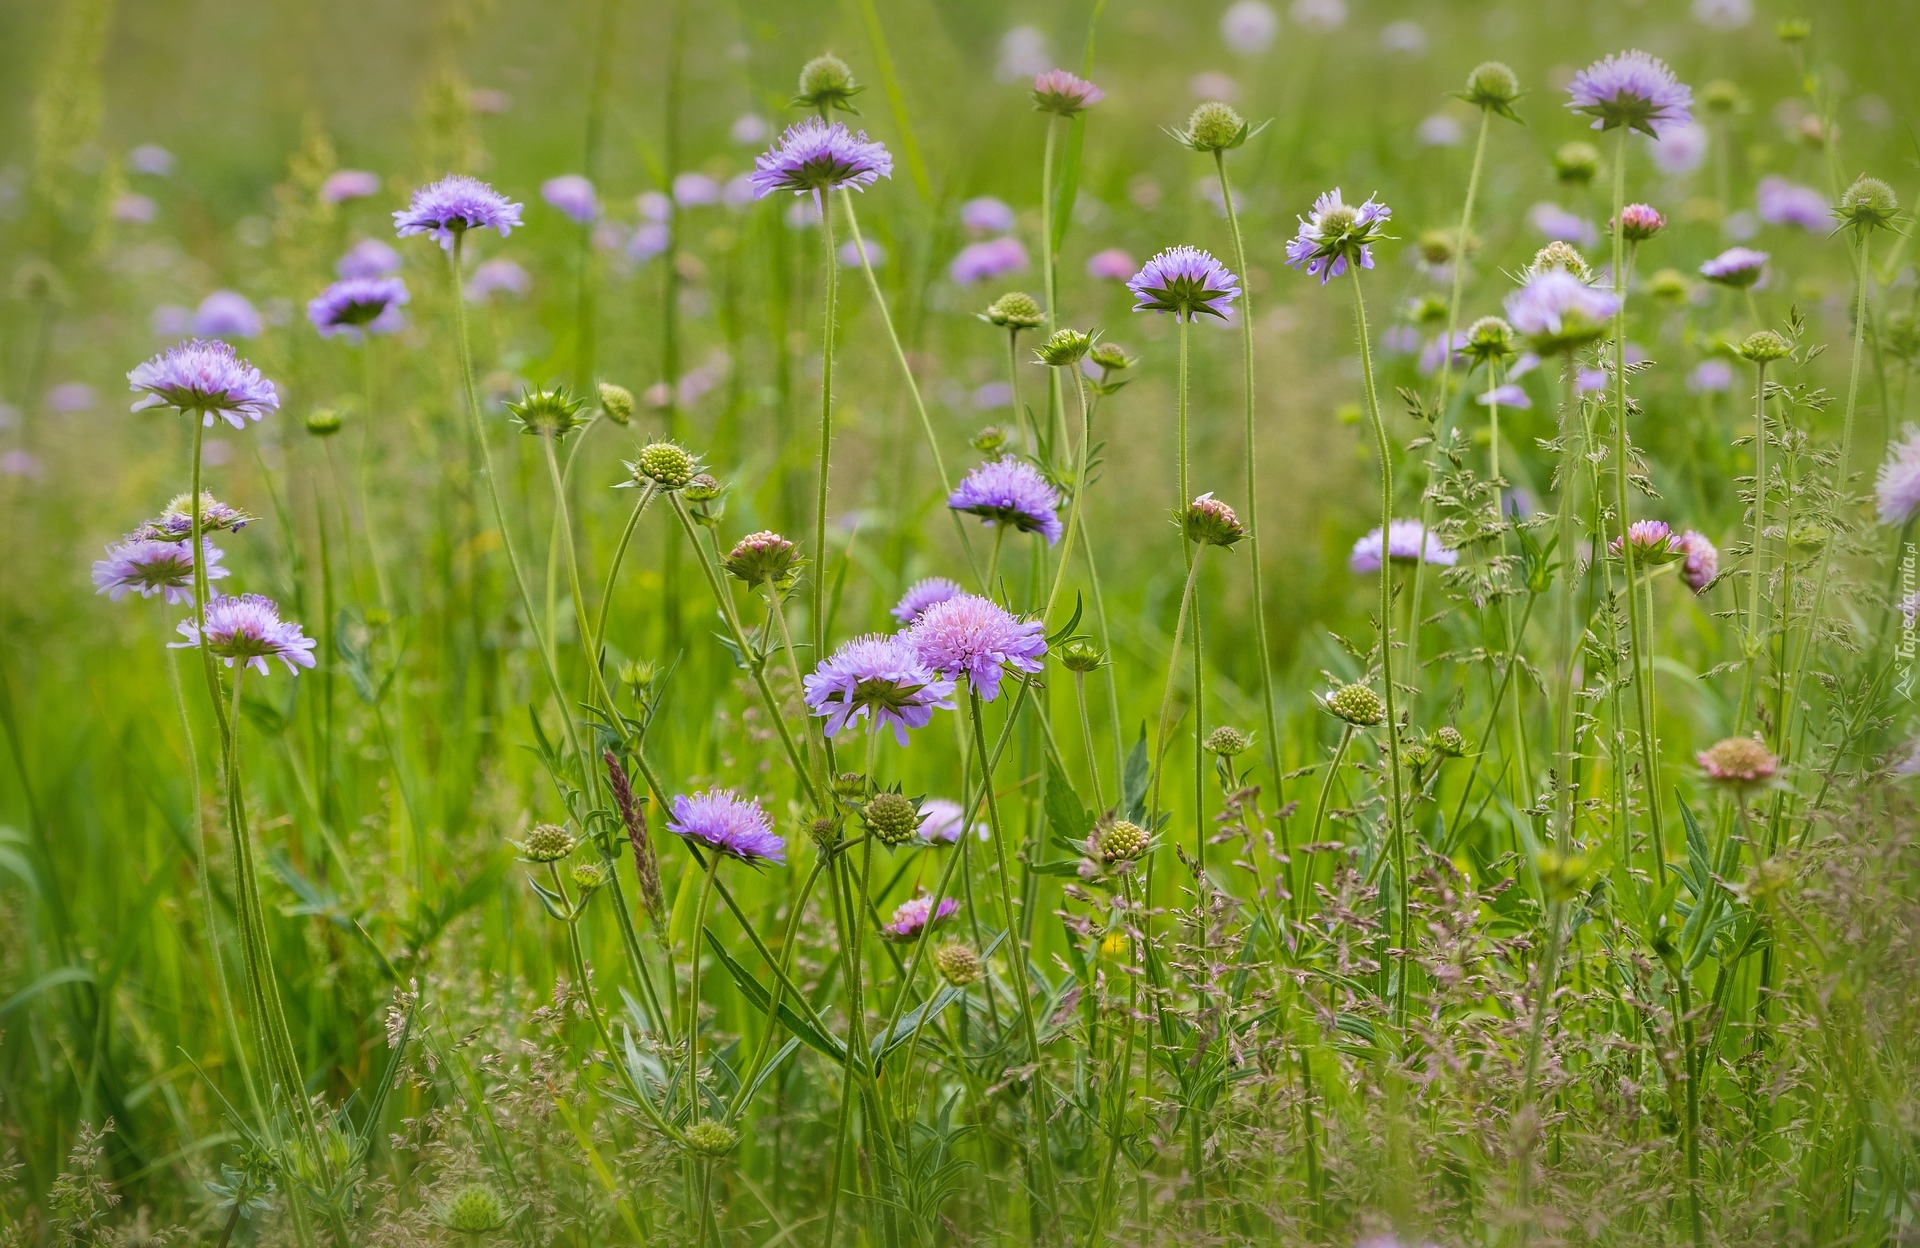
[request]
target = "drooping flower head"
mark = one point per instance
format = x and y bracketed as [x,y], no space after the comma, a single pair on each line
[1739,763]
[912,916]
[1558,312]
[1897,487]
[356,306]
[1702,560]
[971,636]
[923,594]
[446,209]
[880,679]
[816,156]
[1650,541]
[345,184]
[1407,541]
[940,822]
[1058,91]
[1336,233]
[1185,281]
[1011,491]
[1738,267]
[574,196]
[723,821]
[207,379]
[1631,89]
[248,629]
[175,523]
[147,567]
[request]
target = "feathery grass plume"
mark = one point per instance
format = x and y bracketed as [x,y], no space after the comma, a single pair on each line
[633,817]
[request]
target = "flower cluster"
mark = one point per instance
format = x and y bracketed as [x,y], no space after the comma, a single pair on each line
[881,679]
[970,636]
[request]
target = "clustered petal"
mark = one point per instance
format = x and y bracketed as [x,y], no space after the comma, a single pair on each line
[881,679]
[148,566]
[725,822]
[1407,541]
[971,636]
[455,204]
[1185,281]
[1009,490]
[206,378]
[818,156]
[940,822]
[1632,89]
[1558,311]
[923,594]
[355,306]
[248,629]
[1702,560]
[1336,233]
[911,917]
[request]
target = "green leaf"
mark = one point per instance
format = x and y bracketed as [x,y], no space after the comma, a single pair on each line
[1066,817]
[52,979]
[1133,781]
[762,1000]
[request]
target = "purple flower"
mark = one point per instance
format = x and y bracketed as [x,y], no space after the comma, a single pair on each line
[1680,149]
[1248,27]
[1434,353]
[356,306]
[1558,311]
[207,378]
[1057,91]
[495,277]
[1322,15]
[1652,541]
[748,130]
[1898,484]
[1780,202]
[69,397]
[1738,267]
[695,190]
[446,209]
[151,159]
[1009,490]
[1508,395]
[940,822]
[1631,89]
[18,463]
[368,258]
[134,209]
[653,206]
[880,678]
[923,594]
[1703,560]
[170,320]
[1711,377]
[248,629]
[347,184]
[1439,130]
[995,257]
[911,917]
[992,396]
[574,196]
[1185,281]
[226,314]
[1407,542]
[1590,381]
[816,157]
[1336,232]
[1554,222]
[1723,14]
[146,567]
[851,257]
[986,215]
[175,524]
[721,820]
[1111,265]
[971,636]
[649,239]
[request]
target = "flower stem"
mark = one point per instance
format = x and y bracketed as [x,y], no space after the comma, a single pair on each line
[819,603]
[1320,817]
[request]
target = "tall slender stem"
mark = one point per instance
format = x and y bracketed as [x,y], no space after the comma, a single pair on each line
[693,988]
[1756,555]
[819,602]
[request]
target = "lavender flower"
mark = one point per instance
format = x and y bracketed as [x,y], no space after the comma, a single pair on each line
[977,262]
[1185,281]
[940,822]
[1508,395]
[133,208]
[1559,312]
[446,209]
[368,258]
[248,629]
[1335,233]
[879,678]
[1011,491]
[725,822]
[175,524]
[1408,541]
[573,195]
[146,567]
[1640,222]
[913,916]
[206,378]
[1554,222]
[973,637]
[817,157]
[1898,484]
[151,159]
[1711,377]
[923,594]
[226,314]
[1111,265]
[1631,89]
[70,397]
[986,215]
[1249,26]
[648,241]
[1681,149]
[749,130]
[1739,763]
[695,190]
[1059,92]
[357,306]
[1702,560]
[1738,267]
[1651,542]
[1780,202]
[346,184]
[501,276]
[1439,130]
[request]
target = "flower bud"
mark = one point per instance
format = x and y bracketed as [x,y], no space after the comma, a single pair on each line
[1448,741]
[1015,310]
[1722,97]
[990,439]
[958,964]
[1764,347]
[547,842]
[665,464]
[1111,357]
[825,833]
[850,785]
[1793,30]
[1210,522]
[826,82]
[1489,340]
[1869,204]
[1436,246]
[703,488]
[1428,310]
[547,413]
[1227,742]
[1576,163]
[1563,256]
[1670,285]
[616,402]
[1561,875]
[712,1139]
[1357,704]
[761,557]
[589,875]
[1738,763]
[475,1209]
[1119,840]
[1640,222]
[1064,349]
[1080,656]
[1214,127]
[323,422]
[892,817]
[1492,85]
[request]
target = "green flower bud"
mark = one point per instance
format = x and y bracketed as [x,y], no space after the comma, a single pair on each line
[1869,204]
[548,413]
[665,464]
[850,785]
[323,422]
[1119,840]
[1576,163]
[1227,742]
[589,875]
[1448,741]
[958,964]
[1561,875]
[990,439]
[1793,30]
[1015,310]
[761,557]
[1669,285]
[1064,349]
[547,842]
[1210,522]
[826,82]
[1357,704]
[712,1139]
[1489,341]
[1722,97]
[475,1209]
[1080,655]
[892,817]
[616,402]
[703,488]
[1764,347]
[1492,85]
[1563,256]
[1111,357]
[1214,127]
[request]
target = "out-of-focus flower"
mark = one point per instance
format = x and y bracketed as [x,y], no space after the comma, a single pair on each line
[1554,222]
[1439,130]
[1702,560]
[345,184]
[1508,395]
[497,276]
[247,630]
[226,314]
[1407,541]
[22,464]
[368,258]
[695,190]
[1780,202]
[914,915]
[70,398]
[1897,487]
[170,320]
[1723,14]
[851,257]
[995,257]
[151,159]
[1023,53]
[649,239]
[1407,38]
[749,130]
[132,208]
[1319,14]
[1679,149]
[1111,265]
[1064,93]
[1738,267]
[1739,763]
[986,215]
[1249,27]
[940,822]
[147,567]
[1558,312]
[574,196]
[1713,376]
[923,594]
[356,306]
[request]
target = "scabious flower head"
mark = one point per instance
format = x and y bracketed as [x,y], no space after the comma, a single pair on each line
[666,464]
[1489,341]
[1702,560]
[1508,395]
[1556,223]
[1356,704]
[892,817]
[1869,204]
[204,378]
[548,413]
[1009,490]
[1407,541]
[616,402]
[1248,27]
[727,823]
[1227,742]
[345,184]
[1558,312]
[546,842]
[474,1210]
[1015,310]
[1064,348]
[368,258]
[978,262]
[761,557]
[1057,91]
[1640,222]
[1631,89]
[1713,376]
[914,915]
[1081,656]
[1560,256]
[1207,521]
[815,157]
[940,822]
[1764,347]
[1214,127]
[986,215]
[971,636]
[1111,357]
[1738,267]
[226,314]
[880,679]
[1650,541]
[1739,763]
[1117,840]
[574,196]
[446,209]
[148,566]
[1448,741]
[923,594]
[1576,163]
[1897,487]
[355,306]
[1493,86]
[826,82]
[175,522]
[958,964]
[1335,233]
[1185,281]
[1780,202]
[248,629]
